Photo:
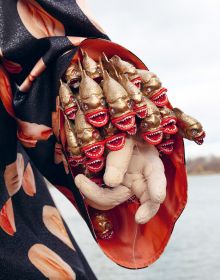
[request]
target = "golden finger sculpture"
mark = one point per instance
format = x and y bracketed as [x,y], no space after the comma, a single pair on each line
[152,88]
[167,145]
[75,155]
[92,101]
[73,76]
[119,103]
[68,101]
[189,127]
[114,139]
[91,66]
[168,120]
[91,143]
[138,100]
[150,128]
[126,68]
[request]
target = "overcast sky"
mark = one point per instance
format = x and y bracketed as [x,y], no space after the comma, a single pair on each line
[180,42]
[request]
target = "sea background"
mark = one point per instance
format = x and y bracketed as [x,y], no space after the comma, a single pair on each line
[193,252]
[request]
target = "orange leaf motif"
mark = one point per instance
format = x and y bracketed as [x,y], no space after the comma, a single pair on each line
[13,175]
[7,222]
[30,133]
[53,222]
[49,263]
[6,93]
[37,21]
[28,182]
[11,67]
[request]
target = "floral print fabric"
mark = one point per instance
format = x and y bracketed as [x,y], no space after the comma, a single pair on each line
[37,40]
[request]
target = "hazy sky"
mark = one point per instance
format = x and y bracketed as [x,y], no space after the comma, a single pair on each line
[180,42]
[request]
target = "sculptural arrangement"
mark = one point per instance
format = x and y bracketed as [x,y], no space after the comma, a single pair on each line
[112,100]
[106,100]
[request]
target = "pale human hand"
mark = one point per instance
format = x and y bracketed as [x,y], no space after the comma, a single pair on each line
[135,169]
[145,177]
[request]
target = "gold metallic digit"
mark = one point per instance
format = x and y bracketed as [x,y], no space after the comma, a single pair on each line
[68,101]
[151,130]
[168,120]
[92,101]
[189,127]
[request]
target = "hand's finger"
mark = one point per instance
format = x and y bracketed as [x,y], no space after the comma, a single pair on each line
[156,179]
[117,163]
[148,208]
[99,197]
[146,211]
[97,206]
[139,188]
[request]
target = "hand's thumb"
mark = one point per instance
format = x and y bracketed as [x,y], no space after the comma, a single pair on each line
[117,164]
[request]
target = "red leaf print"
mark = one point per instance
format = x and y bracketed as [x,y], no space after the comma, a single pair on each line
[7,222]
[11,67]
[51,265]
[53,222]
[5,92]
[13,175]
[37,21]
[28,182]
[30,133]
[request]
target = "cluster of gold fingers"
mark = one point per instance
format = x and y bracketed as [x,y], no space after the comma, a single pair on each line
[108,100]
